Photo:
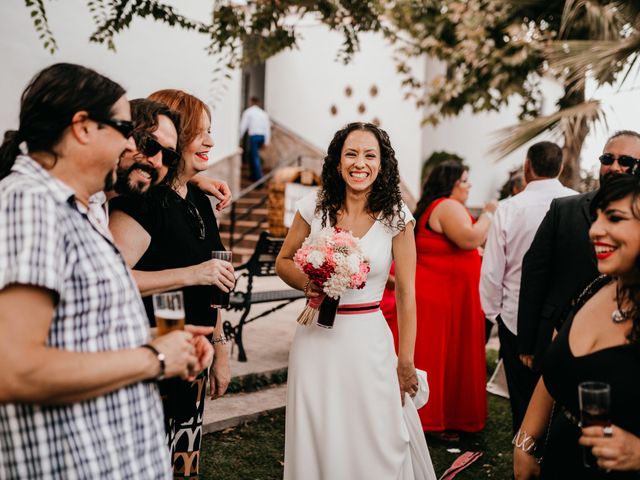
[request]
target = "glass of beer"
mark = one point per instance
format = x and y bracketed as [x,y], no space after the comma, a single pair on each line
[218,297]
[595,399]
[168,309]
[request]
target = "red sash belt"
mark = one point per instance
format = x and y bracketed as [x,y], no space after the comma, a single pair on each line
[358,308]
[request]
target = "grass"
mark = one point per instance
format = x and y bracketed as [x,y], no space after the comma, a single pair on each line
[255,451]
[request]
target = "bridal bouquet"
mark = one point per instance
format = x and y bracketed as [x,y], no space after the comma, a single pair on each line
[332,259]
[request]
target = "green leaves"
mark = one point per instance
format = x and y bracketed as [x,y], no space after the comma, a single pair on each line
[38,13]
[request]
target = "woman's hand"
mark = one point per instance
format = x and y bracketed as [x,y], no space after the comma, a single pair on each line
[311,290]
[408,380]
[525,466]
[213,272]
[490,207]
[619,451]
[220,372]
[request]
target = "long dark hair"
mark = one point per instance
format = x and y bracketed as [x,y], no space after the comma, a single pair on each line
[616,187]
[384,199]
[48,104]
[439,184]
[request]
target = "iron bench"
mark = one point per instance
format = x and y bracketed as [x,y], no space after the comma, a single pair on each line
[261,264]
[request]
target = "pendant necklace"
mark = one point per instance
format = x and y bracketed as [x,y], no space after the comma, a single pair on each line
[619,315]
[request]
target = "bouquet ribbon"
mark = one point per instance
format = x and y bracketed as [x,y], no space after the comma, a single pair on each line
[310,312]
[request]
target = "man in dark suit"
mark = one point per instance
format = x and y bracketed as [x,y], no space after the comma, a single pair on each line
[561,261]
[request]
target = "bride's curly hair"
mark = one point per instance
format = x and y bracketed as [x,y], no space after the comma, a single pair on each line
[616,187]
[383,201]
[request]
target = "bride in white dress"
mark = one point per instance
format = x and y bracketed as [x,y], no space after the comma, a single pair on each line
[345,417]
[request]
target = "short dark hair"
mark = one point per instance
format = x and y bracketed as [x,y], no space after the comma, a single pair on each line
[254,99]
[145,112]
[623,133]
[52,98]
[545,159]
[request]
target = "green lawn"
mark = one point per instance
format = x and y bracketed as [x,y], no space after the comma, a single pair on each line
[255,451]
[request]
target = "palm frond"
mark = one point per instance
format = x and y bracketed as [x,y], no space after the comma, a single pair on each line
[565,121]
[603,21]
[599,58]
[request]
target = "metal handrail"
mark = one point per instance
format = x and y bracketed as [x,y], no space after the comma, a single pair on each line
[244,192]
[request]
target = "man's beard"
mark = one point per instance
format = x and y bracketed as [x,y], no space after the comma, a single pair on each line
[123,184]
[110,181]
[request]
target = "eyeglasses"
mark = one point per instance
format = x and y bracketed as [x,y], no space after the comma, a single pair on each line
[624,161]
[193,211]
[125,127]
[149,146]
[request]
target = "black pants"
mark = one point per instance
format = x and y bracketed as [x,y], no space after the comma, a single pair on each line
[521,380]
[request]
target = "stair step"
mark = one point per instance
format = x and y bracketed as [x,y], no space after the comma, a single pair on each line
[242,250]
[255,211]
[253,237]
[248,201]
[243,223]
[233,410]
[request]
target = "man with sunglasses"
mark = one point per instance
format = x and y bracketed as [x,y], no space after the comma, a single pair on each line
[156,139]
[77,391]
[561,261]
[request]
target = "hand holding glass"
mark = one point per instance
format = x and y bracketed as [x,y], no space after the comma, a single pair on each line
[169,311]
[595,400]
[218,297]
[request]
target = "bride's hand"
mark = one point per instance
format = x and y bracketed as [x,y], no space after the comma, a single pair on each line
[407,379]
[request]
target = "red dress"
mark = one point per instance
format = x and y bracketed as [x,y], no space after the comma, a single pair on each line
[450,343]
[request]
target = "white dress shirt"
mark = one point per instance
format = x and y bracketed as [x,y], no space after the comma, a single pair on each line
[256,122]
[515,224]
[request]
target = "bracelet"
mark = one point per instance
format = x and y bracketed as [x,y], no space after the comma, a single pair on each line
[161,358]
[222,340]
[527,443]
[306,286]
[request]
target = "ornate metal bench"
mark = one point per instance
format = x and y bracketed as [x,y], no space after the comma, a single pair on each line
[261,264]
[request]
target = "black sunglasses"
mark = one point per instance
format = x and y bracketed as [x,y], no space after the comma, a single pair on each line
[624,161]
[193,211]
[125,127]
[149,146]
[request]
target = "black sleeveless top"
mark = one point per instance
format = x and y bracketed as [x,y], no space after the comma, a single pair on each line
[180,237]
[562,372]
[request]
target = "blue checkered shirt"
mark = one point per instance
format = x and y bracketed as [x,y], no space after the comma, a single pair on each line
[46,241]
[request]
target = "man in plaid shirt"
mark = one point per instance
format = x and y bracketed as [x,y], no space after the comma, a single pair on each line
[77,397]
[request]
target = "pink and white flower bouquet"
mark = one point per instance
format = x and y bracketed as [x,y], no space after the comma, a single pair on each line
[332,259]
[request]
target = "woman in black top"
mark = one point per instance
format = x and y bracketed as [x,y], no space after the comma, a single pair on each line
[172,232]
[600,341]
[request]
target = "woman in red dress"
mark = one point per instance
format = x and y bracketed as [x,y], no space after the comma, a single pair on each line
[450,343]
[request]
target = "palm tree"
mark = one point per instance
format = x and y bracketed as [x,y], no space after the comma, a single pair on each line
[610,45]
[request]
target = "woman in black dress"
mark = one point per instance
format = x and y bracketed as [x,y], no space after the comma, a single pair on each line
[172,232]
[599,341]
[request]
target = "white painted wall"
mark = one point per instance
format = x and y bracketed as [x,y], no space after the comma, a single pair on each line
[149,56]
[303,84]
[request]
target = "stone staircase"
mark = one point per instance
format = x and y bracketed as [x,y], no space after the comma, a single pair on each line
[285,147]
[244,243]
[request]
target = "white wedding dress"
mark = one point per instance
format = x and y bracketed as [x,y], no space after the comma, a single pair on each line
[344,417]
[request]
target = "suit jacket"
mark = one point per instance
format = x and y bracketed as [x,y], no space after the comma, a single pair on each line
[560,263]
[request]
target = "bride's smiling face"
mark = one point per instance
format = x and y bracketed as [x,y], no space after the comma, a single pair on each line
[360,160]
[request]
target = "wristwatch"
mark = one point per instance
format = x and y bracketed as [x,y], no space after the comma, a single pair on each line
[161,358]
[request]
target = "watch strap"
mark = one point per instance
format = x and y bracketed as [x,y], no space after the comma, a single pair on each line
[161,358]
